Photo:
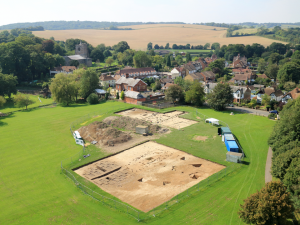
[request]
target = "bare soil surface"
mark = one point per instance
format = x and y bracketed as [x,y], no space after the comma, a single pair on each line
[200,138]
[149,174]
[170,119]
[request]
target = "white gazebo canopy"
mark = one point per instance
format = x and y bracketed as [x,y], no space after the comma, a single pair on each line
[212,121]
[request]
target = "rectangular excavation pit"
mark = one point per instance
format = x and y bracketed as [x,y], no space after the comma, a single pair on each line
[170,119]
[147,183]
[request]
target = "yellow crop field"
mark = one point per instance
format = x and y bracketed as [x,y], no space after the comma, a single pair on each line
[246,31]
[160,34]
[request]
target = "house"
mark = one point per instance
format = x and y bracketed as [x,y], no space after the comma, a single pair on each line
[203,63]
[208,76]
[106,80]
[164,81]
[197,65]
[137,72]
[81,55]
[133,97]
[291,95]
[195,77]
[100,92]
[130,84]
[239,61]
[162,52]
[208,60]
[242,70]
[263,76]
[175,73]
[166,86]
[240,93]
[243,78]
[62,69]
[214,57]
[189,68]
[274,93]
[209,87]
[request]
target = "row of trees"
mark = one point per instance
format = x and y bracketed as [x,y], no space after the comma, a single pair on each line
[175,46]
[67,88]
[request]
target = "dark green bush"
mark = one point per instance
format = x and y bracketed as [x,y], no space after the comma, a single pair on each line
[271,115]
[92,99]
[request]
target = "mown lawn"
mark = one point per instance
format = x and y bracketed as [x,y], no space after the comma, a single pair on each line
[9,106]
[33,191]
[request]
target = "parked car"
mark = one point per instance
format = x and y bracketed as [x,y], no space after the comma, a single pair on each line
[230,105]
[273,111]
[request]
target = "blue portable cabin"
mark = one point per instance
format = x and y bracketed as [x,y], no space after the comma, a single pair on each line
[229,137]
[231,146]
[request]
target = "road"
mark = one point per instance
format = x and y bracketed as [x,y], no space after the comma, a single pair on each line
[250,111]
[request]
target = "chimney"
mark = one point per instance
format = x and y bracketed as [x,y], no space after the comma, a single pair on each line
[127,75]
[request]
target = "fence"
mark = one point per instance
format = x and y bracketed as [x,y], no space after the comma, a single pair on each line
[123,207]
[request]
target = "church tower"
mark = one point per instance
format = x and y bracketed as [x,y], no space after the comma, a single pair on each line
[82,49]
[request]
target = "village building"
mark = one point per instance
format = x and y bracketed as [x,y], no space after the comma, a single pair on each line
[107,80]
[165,87]
[243,78]
[239,62]
[295,93]
[203,63]
[275,94]
[62,69]
[137,72]
[130,84]
[209,87]
[81,55]
[208,76]
[176,72]
[133,97]
[240,93]
[195,77]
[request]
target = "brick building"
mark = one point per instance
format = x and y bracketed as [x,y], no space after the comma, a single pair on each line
[130,84]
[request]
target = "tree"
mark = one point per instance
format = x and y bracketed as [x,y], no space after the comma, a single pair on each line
[122,96]
[23,101]
[275,58]
[89,81]
[167,46]
[296,55]
[149,46]
[156,46]
[215,46]
[92,99]
[270,205]
[48,46]
[174,93]
[288,86]
[195,94]
[179,59]
[152,52]
[289,72]
[206,46]
[97,53]
[117,96]
[63,88]
[168,62]
[8,84]
[272,71]
[141,59]
[188,57]
[265,100]
[188,46]
[261,65]
[2,101]
[122,46]
[109,61]
[174,46]
[219,64]
[107,53]
[74,63]
[220,97]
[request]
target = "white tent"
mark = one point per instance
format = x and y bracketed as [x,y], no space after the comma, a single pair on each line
[212,121]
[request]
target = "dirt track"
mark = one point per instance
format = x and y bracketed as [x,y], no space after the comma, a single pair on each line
[170,119]
[149,174]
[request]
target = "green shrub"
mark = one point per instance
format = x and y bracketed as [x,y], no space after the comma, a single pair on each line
[271,115]
[118,96]
[92,99]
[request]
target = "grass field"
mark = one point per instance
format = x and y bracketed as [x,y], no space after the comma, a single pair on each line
[9,106]
[33,191]
[157,34]
[246,31]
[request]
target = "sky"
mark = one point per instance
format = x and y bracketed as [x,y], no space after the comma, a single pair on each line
[188,11]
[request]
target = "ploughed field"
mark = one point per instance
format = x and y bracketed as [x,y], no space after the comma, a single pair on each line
[180,34]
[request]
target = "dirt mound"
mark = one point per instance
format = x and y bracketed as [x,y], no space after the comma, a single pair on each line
[200,138]
[101,132]
[129,123]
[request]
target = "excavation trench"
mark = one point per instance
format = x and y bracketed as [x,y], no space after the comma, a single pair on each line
[110,172]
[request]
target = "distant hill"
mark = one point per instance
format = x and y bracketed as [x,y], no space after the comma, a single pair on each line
[70,25]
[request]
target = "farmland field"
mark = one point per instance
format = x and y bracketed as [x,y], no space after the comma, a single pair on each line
[33,190]
[157,34]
